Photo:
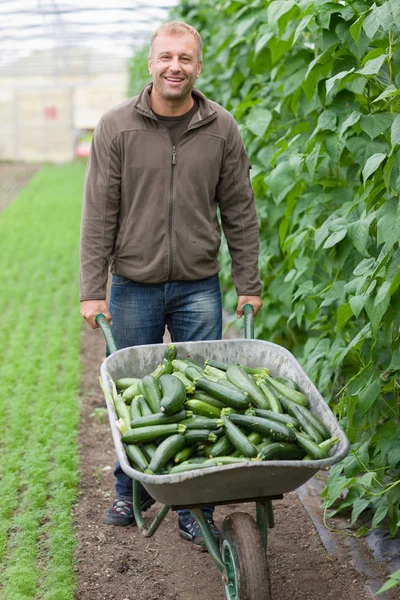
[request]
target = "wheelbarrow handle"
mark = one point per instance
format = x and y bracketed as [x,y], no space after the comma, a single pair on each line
[108,334]
[248,315]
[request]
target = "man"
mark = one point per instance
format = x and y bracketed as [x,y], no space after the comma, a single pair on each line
[159,166]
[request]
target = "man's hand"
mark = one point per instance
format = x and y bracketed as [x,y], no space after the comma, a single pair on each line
[255,302]
[91,308]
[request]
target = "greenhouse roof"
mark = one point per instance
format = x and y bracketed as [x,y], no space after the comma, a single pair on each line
[32,31]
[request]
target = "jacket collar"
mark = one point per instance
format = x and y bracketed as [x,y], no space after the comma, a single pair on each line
[142,104]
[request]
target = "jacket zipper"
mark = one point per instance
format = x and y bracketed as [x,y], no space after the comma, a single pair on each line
[171,206]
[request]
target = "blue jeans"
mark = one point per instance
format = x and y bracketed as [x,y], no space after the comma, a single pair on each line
[192,311]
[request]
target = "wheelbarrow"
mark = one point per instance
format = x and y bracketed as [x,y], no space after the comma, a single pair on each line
[241,556]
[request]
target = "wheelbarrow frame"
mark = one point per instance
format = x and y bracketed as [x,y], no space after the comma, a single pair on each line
[261,482]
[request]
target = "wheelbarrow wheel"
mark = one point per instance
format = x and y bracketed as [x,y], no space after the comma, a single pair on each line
[245,561]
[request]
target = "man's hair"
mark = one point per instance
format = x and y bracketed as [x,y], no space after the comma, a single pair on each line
[178,28]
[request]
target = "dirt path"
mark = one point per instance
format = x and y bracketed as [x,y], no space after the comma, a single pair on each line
[118,563]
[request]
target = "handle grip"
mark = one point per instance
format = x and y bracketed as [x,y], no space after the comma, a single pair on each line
[248,316]
[108,334]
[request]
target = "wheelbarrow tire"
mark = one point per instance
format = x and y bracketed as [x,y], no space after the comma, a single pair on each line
[245,559]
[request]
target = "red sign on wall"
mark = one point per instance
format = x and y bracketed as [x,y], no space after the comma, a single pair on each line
[50,112]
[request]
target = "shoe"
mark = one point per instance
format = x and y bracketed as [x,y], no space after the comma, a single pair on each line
[189,530]
[121,511]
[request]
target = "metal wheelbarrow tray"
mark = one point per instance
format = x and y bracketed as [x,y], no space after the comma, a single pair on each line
[223,484]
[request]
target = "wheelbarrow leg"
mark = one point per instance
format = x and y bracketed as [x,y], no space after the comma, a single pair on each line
[209,539]
[265,519]
[158,519]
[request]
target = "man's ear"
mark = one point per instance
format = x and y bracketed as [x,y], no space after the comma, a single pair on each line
[150,66]
[199,66]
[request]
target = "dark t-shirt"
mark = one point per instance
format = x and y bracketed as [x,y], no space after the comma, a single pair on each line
[178,125]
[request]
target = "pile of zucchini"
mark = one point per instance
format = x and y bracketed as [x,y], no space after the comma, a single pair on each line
[186,415]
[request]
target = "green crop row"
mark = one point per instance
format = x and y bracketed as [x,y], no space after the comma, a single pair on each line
[39,385]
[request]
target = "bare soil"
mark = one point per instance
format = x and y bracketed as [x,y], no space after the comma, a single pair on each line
[118,563]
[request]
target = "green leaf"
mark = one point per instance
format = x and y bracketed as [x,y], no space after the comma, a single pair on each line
[357,304]
[262,42]
[352,119]
[312,158]
[388,223]
[258,121]
[376,124]
[276,10]
[383,293]
[301,26]
[361,335]
[368,395]
[372,67]
[355,29]
[363,148]
[395,6]
[327,120]
[372,165]
[359,234]
[372,23]
[330,83]
[394,455]
[358,507]
[367,265]
[393,580]
[344,313]
[375,313]
[335,238]
[390,90]
[281,180]
[395,132]
[380,513]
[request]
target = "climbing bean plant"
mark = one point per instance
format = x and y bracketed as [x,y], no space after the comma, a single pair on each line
[315,88]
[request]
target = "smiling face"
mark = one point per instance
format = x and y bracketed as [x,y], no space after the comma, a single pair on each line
[174,66]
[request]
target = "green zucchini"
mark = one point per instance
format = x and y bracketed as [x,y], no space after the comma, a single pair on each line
[125,382]
[184,454]
[202,408]
[169,369]
[273,401]
[173,394]
[149,449]
[288,392]
[238,438]
[160,419]
[278,417]
[200,395]
[165,451]
[136,457]
[224,366]
[170,352]
[192,436]
[234,398]
[255,437]
[135,411]
[189,385]
[267,427]
[183,366]
[158,371]
[289,382]
[221,447]
[152,393]
[310,447]
[315,421]
[144,407]
[141,435]
[199,422]
[133,390]
[281,451]
[183,467]
[122,410]
[306,425]
[237,375]
[326,445]
[214,373]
